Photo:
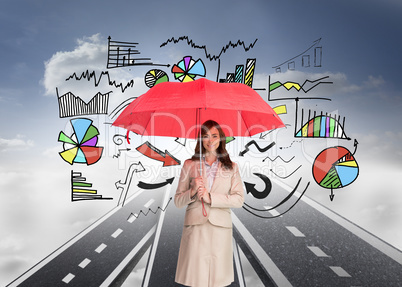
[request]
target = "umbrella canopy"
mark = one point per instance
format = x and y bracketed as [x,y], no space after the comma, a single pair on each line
[177,109]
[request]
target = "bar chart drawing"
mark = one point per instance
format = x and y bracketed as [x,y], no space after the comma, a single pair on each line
[82,190]
[243,74]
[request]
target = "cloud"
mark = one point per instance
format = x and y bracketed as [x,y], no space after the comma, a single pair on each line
[17,143]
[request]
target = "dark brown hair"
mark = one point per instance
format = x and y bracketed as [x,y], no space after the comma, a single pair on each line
[223,155]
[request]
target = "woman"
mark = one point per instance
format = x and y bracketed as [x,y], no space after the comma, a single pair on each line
[206,251]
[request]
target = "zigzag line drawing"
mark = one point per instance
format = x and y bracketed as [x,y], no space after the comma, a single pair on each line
[149,210]
[207,55]
[92,75]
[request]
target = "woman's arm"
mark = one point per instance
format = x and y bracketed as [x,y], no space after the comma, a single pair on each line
[184,191]
[235,198]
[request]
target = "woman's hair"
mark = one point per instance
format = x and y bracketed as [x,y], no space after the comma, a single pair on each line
[222,154]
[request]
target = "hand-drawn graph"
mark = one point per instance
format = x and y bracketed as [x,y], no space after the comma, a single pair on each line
[81,147]
[122,54]
[314,51]
[187,69]
[334,168]
[87,75]
[208,55]
[71,105]
[321,126]
[240,75]
[154,77]
[81,189]
[307,86]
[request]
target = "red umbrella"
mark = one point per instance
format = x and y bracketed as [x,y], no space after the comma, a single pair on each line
[177,109]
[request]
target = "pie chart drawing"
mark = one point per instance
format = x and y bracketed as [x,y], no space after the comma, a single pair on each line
[154,77]
[81,147]
[335,167]
[187,69]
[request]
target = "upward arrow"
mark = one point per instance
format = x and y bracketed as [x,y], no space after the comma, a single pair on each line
[152,152]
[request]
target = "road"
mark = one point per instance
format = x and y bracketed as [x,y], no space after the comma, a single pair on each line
[307,246]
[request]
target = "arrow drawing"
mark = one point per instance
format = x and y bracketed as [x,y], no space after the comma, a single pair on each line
[145,185]
[332,195]
[152,152]
[283,177]
[124,186]
[149,210]
[253,142]
[248,207]
[250,187]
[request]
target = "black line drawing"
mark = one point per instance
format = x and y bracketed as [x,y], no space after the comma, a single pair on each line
[253,210]
[241,74]
[125,185]
[71,105]
[250,187]
[117,139]
[283,177]
[92,75]
[305,58]
[81,189]
[187,69]
[291,144]
[121,106]
[119,152]
[181,141]
[145,185]
[208,55]
[253,142]
[120,54]
[320,126]
[286,161]
[149,210]
[292,85]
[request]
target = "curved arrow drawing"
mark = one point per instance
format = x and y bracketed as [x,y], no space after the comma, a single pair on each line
[124,186]
[250,187]
[253,142]
[152,152]
[145,185]
[283,201]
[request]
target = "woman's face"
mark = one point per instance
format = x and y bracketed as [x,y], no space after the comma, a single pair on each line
[211,140]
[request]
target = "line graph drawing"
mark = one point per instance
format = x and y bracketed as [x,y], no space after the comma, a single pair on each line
[89,76]
[121,54]
[133,216]
[208,55]
[71,105]
[305,58]
[285,161]
[290,174]
[307,86]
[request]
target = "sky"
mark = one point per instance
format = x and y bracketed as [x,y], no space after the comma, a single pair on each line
[46,41]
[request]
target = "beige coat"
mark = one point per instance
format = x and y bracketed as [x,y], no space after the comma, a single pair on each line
[206,254]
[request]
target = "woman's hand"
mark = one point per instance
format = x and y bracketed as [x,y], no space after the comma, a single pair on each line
[198,185]
[203,194]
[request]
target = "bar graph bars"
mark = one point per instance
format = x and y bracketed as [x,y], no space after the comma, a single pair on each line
[82,190]
[243,74]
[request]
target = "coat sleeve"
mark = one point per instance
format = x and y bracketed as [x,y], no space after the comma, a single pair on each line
[183,193]
[235,197]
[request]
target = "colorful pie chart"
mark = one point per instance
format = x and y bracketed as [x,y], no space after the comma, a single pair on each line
[81,147]
[154,77]
[187,69]
[335,167]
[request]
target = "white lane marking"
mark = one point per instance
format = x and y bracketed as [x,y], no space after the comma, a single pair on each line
[274,272]
[296,232]
[148,204]
[272,211]
[84,263]
[100,248]
[117,233]
[317,251]
[68,278]
[376,242]
[132,217]
[128,258]
[340,271]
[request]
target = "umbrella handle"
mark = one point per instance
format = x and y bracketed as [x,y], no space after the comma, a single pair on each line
[204,211]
